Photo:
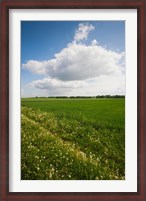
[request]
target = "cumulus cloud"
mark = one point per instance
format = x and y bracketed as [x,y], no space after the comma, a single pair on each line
[82,32]
[48,83]
[78,62]
[99,85]
[80,69]
[94,42]
[37,67]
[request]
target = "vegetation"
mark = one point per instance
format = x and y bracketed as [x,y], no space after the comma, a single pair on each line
[73,139]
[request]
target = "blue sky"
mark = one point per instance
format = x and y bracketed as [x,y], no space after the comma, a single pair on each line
[90,55]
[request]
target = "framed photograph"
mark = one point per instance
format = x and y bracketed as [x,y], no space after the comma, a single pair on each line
[72,100]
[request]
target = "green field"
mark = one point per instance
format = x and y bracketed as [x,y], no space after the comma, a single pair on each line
[73,139]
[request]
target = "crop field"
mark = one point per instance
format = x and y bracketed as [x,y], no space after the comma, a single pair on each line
[72,139]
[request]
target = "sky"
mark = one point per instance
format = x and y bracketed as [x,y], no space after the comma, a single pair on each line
[72,58]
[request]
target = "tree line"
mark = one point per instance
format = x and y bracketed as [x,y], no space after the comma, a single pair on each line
[78,97]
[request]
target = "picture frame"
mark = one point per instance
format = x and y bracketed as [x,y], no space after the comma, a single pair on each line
[5,104]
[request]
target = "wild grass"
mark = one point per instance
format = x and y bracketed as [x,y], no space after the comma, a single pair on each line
[73,139]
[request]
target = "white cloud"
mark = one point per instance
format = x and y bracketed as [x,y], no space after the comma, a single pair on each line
[37,67]
[78,62]
[94,42]
[48,83]
[106,84]
[82,32]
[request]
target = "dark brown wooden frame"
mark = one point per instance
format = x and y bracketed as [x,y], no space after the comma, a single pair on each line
[140,5]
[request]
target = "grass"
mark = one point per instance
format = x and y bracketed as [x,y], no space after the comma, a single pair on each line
[79,139]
